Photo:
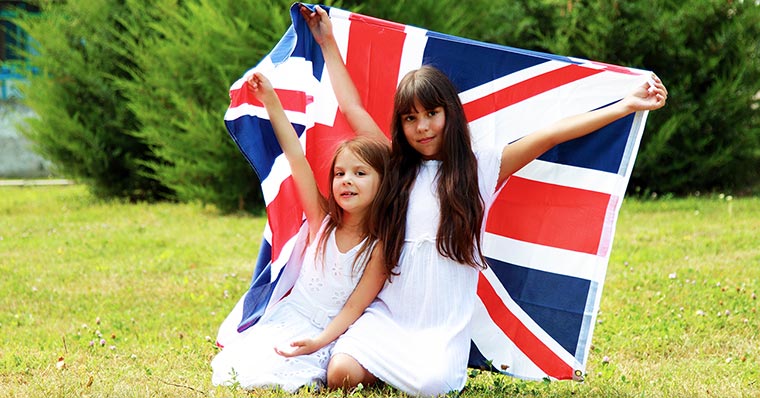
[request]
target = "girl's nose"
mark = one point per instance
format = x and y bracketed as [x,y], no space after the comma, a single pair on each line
[422,125]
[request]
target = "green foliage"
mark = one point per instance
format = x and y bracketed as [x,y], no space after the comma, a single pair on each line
[130,95]
[179,91]
[707,52]
[81,123]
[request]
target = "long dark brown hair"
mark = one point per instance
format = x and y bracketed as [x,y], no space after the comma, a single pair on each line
[462,207]
[376,154]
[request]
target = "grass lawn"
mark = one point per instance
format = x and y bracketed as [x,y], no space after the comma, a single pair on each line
[110,299]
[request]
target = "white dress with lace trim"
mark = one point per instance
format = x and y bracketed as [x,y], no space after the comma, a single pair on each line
[320,292]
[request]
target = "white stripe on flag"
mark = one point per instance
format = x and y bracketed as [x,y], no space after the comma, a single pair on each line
[503,82]
[544,258]
[571,176]
[270,186]
[522,118]
[258,111]
[490,339]
[413,50]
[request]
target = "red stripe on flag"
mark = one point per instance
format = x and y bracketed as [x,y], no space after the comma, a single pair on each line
[374,68]
[365,19]
[524,339]
[549,215]
[375,81]
[321,142]
[616,68]
[525,89]
[291,100]
[285,216]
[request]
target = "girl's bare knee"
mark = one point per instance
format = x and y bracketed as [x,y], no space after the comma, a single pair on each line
[345,372]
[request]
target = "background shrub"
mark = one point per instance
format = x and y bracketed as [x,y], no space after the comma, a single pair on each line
[707,138]
[130,95]
[82,125]
[180,92]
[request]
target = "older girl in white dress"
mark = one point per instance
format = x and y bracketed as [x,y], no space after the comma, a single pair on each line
[430,214]
[342,271]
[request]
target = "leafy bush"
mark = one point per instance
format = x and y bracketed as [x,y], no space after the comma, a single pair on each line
[81,123]
[130,95]
[707,53]
[179,93]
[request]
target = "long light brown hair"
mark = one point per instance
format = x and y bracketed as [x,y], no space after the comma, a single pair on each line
[458,195]
[376,154]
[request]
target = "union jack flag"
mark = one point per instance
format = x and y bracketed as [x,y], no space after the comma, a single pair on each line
[549,233]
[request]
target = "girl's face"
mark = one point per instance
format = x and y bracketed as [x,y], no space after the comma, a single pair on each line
[423,129]
[355,182]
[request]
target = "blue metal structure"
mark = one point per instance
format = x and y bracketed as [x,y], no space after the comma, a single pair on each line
[12,37]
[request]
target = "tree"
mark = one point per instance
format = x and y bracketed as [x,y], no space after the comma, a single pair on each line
[707,52]
[179,92]
[81,123]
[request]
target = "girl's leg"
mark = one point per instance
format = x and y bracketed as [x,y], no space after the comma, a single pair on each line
[344,372]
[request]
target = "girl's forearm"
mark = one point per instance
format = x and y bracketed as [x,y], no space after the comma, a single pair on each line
[348,97]
[283,130]
[577,126]
[519,153]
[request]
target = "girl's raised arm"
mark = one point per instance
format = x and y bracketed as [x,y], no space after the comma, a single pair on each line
[373,279]
[521,152]
[349,101]
[303,176]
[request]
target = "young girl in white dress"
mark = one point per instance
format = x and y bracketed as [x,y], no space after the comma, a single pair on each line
[342,271]
[430,212]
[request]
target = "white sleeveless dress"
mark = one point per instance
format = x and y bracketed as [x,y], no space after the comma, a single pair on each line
[415,336]
[318,295]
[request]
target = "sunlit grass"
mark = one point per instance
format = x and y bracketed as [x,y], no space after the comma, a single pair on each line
[124,300]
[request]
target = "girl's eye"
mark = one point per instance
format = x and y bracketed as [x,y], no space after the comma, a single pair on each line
[361,173]
[339,173]
[432,113]
[408,118]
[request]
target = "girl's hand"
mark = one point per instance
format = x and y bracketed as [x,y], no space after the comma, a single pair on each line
[261,87]
[302,347]
[647,97]
[319,23]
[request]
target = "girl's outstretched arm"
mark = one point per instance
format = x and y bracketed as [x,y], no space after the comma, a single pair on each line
[366,290]
[349,101]
[303,176]
[521,152]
